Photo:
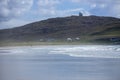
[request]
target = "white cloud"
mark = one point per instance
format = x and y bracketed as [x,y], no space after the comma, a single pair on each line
[91,1]
[48,7]
[71,11]
[13,8]
[103,5]
[115,10]
[13,23]
[108,7]
[10,10]
[93,5]
[48,2]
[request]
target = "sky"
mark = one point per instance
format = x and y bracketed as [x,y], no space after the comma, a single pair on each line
[14,13]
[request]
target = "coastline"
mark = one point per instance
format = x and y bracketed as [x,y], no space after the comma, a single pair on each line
[10,44]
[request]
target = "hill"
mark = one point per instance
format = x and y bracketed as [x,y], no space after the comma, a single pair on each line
[76,28]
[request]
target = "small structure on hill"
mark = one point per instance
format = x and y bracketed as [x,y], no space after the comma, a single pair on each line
[80,14]
[69,39]
[77,38]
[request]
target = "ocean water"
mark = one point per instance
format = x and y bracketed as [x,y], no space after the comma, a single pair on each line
[61,62]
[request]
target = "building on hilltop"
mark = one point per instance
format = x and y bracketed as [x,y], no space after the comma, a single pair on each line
[80,14]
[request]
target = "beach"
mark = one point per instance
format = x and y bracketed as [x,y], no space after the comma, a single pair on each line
[60,62]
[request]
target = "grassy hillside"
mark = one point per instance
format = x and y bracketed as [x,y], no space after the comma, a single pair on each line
[86,28]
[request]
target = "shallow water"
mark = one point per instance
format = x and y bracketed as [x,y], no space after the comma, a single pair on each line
[87,62]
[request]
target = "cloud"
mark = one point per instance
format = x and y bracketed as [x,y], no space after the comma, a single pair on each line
[74,11]
[104,7]
[48,7]
[92,1]
[115,10]
[34,10]
[13,23]
[13,8]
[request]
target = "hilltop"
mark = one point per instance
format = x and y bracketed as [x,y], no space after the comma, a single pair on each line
[76,28]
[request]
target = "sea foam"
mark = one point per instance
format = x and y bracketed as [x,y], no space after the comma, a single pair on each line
[102,51]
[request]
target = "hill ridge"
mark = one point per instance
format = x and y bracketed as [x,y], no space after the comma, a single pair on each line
[61,28]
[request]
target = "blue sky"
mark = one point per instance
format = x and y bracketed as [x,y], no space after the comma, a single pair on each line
[15,13]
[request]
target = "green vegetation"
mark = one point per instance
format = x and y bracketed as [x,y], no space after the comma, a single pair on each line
[114,31]
[56,31]
[47,43]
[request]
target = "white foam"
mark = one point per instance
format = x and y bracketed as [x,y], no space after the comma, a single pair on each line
[75,51]
[89,51]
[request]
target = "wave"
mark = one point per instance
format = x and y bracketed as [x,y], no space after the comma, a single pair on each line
[89,51]
[102,51]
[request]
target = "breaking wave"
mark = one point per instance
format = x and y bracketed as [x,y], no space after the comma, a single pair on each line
[101,51]
[89,51]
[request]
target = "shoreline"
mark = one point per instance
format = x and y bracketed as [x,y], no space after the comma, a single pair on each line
[12,44]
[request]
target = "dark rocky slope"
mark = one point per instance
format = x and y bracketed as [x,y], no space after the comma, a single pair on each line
[89,28]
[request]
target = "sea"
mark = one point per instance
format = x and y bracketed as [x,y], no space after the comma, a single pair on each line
[60,62]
